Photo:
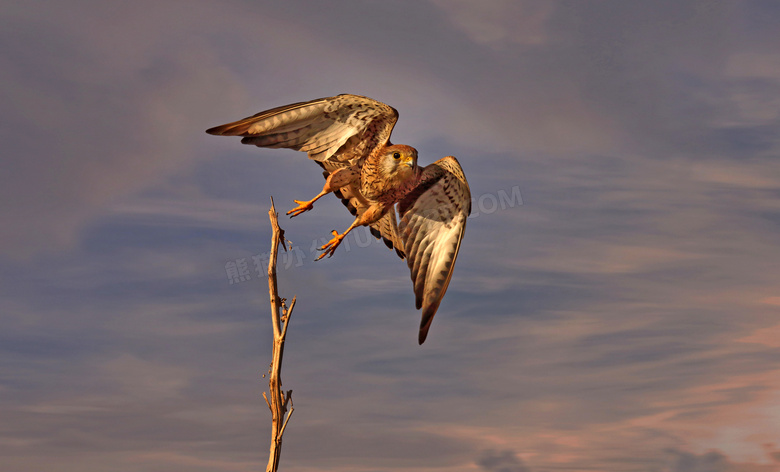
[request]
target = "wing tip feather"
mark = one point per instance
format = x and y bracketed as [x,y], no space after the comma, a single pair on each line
[425,322]
[218,130]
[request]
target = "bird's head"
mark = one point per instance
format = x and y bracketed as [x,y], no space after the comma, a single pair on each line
[400,161]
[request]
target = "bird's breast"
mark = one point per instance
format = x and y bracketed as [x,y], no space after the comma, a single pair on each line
[386,188]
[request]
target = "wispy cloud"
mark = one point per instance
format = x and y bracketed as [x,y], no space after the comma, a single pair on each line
[615,302]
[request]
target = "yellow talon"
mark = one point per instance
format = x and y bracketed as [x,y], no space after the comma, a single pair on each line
[330,247]
[303,206]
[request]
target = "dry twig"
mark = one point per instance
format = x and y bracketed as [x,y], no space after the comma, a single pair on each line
[280,316]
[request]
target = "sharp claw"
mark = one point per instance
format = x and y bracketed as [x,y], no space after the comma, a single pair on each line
[330,247]
[301,208]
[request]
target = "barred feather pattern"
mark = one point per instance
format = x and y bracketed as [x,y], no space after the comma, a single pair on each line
[432,203]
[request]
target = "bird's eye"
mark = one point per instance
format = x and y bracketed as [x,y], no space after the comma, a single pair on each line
[396,155]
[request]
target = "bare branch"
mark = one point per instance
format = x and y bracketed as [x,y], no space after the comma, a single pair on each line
[280,317]
[266,401]
[284,426]
[286,317]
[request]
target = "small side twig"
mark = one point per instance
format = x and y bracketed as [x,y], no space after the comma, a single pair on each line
[280,317]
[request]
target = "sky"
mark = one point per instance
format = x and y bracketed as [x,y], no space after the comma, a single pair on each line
[615,304]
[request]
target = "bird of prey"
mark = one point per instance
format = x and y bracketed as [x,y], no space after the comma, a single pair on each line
[349,136]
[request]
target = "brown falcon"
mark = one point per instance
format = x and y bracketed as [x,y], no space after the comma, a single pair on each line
[349,136]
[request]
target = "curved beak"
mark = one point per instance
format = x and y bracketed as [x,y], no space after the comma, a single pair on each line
[409,162]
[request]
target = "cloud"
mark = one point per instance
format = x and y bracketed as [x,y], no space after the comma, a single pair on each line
[622,318]
[500,22]
[109,121]
[711,461]
[501,461]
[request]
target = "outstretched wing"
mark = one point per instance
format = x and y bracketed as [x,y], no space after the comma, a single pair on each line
[343,128]
[433,219]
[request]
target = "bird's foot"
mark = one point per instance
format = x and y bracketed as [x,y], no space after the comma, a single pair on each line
[302,207]
[329,248]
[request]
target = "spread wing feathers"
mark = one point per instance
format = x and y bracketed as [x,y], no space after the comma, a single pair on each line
[387,229]
[344,127]
[433,219]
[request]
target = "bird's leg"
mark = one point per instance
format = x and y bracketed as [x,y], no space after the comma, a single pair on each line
[304,206]
[337,179]
[372,214]
[330,247]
